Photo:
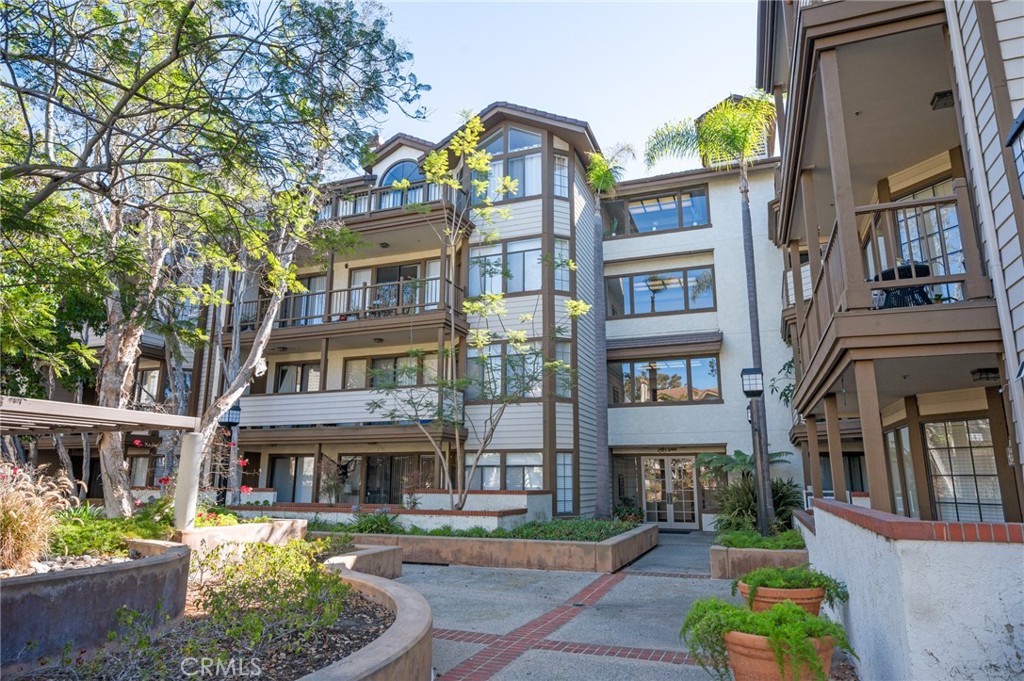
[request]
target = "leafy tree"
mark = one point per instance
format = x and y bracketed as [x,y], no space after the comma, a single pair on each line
[193,132]
[496,386]
[720,463]
[733,134]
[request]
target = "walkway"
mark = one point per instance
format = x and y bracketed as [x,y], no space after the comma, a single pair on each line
[531,624]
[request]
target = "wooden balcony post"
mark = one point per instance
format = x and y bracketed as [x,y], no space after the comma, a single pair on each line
[324,347]
[814,455]
[879,484]
[811,224]
[328,289]
[918,458]
[977,285]
[855,293]
[798,283]
[835,450]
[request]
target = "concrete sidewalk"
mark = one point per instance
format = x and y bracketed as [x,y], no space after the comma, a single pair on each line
[531,624]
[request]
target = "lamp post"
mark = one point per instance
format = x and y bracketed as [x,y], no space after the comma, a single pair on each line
[229,422]
[753,387]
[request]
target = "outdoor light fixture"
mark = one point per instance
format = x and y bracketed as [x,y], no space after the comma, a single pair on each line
[385,244]
[753,382]
[378,341]
[986,374]
[232,417]
[942,100]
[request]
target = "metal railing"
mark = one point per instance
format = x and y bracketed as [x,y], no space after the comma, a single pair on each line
[373,200]
[370,301]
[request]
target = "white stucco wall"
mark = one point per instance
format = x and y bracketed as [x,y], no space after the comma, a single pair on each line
[721,244]
[925,610]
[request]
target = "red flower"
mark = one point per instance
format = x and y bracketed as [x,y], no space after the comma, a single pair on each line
[138,502]
[246,489]
[232,444]
[243,462]
[137,442]
[15,470]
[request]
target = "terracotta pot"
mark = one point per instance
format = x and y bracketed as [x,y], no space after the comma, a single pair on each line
[752,659]
[765,597]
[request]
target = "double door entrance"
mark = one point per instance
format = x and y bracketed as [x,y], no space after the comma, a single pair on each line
[670,491]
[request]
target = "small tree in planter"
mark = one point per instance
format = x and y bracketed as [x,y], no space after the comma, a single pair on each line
[784,642]
[766,586]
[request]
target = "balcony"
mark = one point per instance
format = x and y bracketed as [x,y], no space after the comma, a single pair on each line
[917,280]
[423,303]
[336,408]
[355,205]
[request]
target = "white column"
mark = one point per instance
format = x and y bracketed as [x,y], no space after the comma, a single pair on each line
[186,492]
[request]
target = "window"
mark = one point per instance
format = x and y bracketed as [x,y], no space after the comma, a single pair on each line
[561,179]
[403,370]
[524,372]
[1016,143]
[686,290]
[561,264]
[147,384]
[901,472]
[483,372]
[403,170]
[681,210]
[523,263]
[563,483]
[487,474]
[298,377]
[524,471]
[962,458]
[931,235]
[513,154]
[687,379]
[563,378]
[492,372]
[515,267]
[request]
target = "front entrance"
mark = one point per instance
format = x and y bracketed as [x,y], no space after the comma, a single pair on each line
[670,491]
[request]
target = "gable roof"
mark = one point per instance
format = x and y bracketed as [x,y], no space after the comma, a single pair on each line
[396,141]
[576,131]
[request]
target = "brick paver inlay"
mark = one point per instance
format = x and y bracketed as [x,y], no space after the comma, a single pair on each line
[502,650]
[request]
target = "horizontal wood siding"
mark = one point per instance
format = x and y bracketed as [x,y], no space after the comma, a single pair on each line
[1009,15]
[586,347]
[312,408]
[519,429]
[525,220]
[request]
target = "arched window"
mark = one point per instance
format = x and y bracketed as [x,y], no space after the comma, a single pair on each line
[403,170]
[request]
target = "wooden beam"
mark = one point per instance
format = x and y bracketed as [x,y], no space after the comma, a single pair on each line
[814,455]
[23,415]
[918,458]
[871,431]
[835,450]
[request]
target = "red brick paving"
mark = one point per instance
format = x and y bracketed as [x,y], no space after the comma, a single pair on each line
[501,651]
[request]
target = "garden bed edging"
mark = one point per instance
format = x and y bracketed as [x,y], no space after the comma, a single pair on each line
[729,563]
[45,613]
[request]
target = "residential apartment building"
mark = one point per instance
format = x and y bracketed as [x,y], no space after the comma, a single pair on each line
[898,215]
[656,362]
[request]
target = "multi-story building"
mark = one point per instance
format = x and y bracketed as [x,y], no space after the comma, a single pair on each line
[898,215]
[656,362]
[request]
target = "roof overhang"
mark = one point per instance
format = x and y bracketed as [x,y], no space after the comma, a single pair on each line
[24,416]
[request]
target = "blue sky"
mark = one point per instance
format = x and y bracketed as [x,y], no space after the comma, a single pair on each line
[625,67]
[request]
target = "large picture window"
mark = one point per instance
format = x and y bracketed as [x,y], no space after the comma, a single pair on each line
[514,152]
[962,461]
[298,378]
[402,370]
[684,209]
[681,380]
[690,289]
[516,267]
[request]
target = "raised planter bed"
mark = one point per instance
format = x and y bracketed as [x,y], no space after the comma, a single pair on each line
[427,519]
[44,614]
[730,563]
[277,532]
[403,652]
[607,556]
[379,561]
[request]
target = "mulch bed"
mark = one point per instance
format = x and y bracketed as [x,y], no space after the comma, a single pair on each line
[283,659]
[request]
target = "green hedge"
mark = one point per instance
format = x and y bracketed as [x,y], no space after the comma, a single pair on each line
[562,529]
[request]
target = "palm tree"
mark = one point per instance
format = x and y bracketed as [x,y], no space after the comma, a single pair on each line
[733,134]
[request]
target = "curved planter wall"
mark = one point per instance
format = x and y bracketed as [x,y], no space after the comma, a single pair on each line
[44,613]
[403,652]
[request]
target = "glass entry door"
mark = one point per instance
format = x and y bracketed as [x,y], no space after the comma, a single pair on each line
[670,492]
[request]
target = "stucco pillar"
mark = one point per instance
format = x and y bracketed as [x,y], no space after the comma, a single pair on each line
[871,430]
[814,455]
[186,492]
[835,449]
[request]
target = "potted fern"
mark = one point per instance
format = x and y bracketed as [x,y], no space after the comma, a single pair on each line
[782,643]
[766,586]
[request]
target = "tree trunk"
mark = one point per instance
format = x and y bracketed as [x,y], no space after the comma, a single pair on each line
[33,454]
[120,352]
[765,511]
[83,488]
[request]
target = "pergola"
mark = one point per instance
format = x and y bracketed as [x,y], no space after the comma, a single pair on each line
[24,416]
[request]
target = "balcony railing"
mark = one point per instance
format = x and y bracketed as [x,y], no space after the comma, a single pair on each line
[915,253]
[372,200]
[337,408]
[370,301]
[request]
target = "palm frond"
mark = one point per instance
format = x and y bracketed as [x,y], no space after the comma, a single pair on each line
[672,140]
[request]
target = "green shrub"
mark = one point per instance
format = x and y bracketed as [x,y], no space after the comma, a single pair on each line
[82,532]
[789,629]
[750,539]
[273,592]
[29,506]
[737,504]
[802,577]
[377,522]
